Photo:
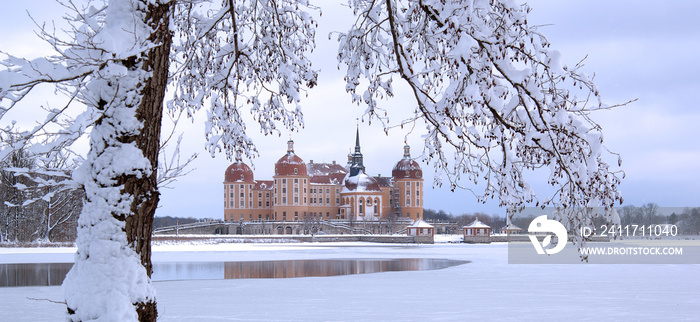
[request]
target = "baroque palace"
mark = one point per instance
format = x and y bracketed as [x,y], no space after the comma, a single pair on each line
[324,191]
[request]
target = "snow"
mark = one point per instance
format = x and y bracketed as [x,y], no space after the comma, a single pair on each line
[421,224]
[477,224]
[360,183]
[487,288]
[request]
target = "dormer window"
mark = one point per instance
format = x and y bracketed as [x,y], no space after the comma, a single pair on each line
[295,171]
[242,177]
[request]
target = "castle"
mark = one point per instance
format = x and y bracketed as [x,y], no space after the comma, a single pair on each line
[302,191]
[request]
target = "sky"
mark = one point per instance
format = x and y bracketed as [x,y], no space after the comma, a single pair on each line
[643,50]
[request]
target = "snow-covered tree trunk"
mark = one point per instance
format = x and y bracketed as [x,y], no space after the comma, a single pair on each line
[111,276]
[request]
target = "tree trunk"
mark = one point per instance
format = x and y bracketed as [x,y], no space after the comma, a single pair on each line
[139,225]
[120,178]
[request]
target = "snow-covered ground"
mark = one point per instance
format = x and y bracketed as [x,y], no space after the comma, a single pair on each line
[486,288]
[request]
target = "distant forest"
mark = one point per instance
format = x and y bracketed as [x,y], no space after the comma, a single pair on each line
[687,221]
[172,221]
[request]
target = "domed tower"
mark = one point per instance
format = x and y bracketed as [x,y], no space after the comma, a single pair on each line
[408,181]
[238,190]
[291,182]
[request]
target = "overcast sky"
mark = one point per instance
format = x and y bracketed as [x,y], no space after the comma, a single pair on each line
[644,50]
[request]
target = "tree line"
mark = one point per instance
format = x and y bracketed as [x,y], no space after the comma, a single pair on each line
[32,206]
[687,220]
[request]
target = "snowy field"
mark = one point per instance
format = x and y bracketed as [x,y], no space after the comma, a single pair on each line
[486,288]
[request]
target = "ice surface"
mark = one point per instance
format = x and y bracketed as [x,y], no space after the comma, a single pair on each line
[488,288]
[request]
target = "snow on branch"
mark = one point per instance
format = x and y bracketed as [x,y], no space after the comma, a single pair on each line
[250,54]
[496,100]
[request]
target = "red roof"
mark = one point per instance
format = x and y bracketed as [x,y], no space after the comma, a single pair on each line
[384,181]
[287,165]
[316,169]
[407,169]
[333,178]
[238,172]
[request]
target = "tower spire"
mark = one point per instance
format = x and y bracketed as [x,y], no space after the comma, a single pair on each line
[357,140]
[357,165]
[290,147]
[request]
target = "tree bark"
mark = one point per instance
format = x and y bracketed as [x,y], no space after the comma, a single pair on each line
[139,225]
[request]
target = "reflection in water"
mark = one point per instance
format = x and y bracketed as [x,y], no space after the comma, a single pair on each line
[330,267]
[53,274]
[46,274]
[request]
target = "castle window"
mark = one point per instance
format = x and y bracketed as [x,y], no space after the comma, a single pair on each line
[295,172]
[241,177]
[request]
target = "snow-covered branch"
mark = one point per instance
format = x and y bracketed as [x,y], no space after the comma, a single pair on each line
[496,100]
[246,54]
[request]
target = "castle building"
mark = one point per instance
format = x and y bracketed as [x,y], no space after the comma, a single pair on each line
[302,191]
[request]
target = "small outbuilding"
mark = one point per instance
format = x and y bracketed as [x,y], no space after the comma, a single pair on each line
[477,228]
[511,229]
[420,228]
[477,232]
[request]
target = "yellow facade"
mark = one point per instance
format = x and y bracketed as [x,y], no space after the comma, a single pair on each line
[302,191]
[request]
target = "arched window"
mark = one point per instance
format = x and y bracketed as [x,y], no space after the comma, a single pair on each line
[362,207]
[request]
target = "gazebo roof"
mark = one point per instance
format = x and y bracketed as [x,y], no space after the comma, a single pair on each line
[477,224]
[420,224]
[511,227]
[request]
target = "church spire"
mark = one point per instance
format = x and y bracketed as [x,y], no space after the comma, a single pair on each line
[357,165]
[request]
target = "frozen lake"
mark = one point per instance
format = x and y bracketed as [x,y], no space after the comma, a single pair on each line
[486,288]
[49,274]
